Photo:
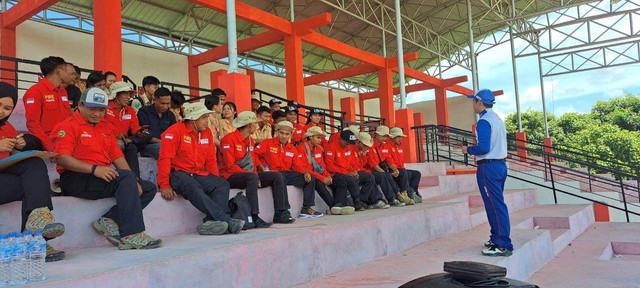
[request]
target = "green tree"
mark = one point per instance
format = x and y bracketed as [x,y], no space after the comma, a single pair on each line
[623,112]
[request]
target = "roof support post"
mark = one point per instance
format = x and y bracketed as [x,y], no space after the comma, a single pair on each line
[232,39]
[8,49]
[194,78]
[405,121]
[293,66]
[385,88]
[348,108]
[403,95]
[442,108]
[515,68]
[472,50]
[361,107]
[107,36]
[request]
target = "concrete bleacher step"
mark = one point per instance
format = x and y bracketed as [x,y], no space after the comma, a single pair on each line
[281,256]
[533,249]
[428,168]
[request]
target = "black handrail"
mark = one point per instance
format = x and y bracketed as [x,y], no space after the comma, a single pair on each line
[438,136]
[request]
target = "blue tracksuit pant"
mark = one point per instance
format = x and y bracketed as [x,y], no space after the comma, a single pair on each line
[491,177]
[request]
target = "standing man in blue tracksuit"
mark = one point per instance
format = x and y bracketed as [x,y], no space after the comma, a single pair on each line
[490,152]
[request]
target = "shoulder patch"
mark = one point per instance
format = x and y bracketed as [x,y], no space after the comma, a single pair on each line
[62,133]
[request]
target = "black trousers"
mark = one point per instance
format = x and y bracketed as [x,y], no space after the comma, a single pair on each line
[209,194]
[408,178]
[249,182]
[32,143]
[297,179]
[326,195]
[386,182]
[127,212]
[366,193]
[130,152]
[277,183]
[26,181]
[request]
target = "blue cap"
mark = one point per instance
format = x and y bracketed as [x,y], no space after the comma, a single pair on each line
[38,233]
[485,96]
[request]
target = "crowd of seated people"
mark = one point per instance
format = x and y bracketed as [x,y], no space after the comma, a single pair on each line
[203,148]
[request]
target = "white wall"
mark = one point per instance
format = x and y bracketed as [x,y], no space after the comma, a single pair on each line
[461,114]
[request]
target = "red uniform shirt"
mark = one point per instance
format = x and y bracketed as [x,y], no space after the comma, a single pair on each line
[45,107]
[298,133]
[124,120]
[234,147]
[378,153]
[360,158]
[324,142]
[7,131]
[306,166]
[338,159]
[95,145]
[184,149]
[277,156]
[397,154]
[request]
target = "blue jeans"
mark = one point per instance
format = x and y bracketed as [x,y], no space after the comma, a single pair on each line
[491,177]
[151,150]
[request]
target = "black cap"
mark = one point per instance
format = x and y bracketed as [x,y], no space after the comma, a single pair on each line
[292,103]
[292,109]
[274,101]
[348,136]
[315,111]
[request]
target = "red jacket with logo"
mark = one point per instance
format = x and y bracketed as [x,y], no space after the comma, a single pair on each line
[184,149]
[125,119]
[279,157]
[45,107]
[338,159]
[397,154]
[378,153]
[234,147]
[307,166]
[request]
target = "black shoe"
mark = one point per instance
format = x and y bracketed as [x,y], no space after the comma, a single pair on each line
[307,212]
[366,206]
[496,251]
[359,206]
[235,225]
[282,217]
[260,223]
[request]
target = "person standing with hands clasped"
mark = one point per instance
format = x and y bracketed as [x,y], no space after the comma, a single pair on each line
[188,166]
[490,153]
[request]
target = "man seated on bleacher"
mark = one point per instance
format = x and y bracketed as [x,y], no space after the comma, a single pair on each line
[279,155]
[274,105]
[310,154]
[27,180]
[239,167]
[278,116]
[408,180]
[86,148]
[264,128]
[149,85]
[158,118]
[46,103]
[365,162]
[188,166]
[340,161]
[292,116]
[127,128]
[353,128]
[381,155]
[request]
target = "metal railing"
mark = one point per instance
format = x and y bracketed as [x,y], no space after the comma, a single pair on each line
[562,173]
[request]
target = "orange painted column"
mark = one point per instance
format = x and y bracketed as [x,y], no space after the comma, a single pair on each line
[293,67]
[442,109]
[330,98]
[601,212]
[252,78]
[237,87]
[361,107]
[385,88]
[8,49]
[214,76]
[549,149]
[404,119]
[194,78]
[521,138]
[418,120]
[348,107]
[107,36]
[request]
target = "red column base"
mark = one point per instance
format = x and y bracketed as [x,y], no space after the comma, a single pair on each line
[548,147]
[418,120]
[348,107]
[404,120]
[521,138]
[215,83]
[238,89]
[601,212]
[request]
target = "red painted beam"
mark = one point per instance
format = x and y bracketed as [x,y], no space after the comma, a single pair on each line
[24,10]
[244,45]
[107,40]
[307,26]
[455,80]
[392,62]
[343,49]
[250,14]
[498,92]
[340,74]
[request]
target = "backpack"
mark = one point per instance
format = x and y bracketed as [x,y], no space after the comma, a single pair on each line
[240,208]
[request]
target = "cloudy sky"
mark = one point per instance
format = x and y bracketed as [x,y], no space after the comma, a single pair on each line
[575,92]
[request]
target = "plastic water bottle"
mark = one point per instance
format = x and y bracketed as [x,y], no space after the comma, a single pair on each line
[19,263]
[5,261]
[37,255]
[152,176]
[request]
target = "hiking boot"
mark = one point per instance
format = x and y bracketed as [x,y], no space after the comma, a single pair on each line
[53,255]
[235,225]
[359,207]
[213,228]
[109,229]
[366,206]
[395,203]
[41,219]
[260,223]
[282,218]
[489,243]
[310,213]
[405,199]
[381,205]
[139,241]
[496,251]
[338,209]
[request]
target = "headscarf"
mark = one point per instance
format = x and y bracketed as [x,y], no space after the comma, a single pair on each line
[7,90]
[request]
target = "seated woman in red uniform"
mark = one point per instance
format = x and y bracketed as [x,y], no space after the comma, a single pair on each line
[188,166]
[27,180]
[315,116]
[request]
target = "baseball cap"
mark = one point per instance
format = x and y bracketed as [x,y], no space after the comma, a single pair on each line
[255,98]
[348,136]
[315,111]
[274,101]
[95,97]
[245,118]
[292,109]
[485,96]
[193,111]
[365,138]
[353,128]
[382,130]
[292,103]
[285,125]
[396,132]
